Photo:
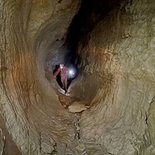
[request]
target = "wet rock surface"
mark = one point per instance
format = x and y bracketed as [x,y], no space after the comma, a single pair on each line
[110,108]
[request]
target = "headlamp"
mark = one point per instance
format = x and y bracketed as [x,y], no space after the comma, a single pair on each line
[71,73]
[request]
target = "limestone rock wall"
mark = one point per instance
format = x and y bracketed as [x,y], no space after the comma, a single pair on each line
[116,81]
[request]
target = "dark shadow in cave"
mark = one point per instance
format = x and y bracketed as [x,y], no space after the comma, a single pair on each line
[89,14]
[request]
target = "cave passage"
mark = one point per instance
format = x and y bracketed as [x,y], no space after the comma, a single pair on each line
[89,14]
[111,105]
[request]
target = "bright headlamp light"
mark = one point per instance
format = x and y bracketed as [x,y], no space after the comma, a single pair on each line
[71,73]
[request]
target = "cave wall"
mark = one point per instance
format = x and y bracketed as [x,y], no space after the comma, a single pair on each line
[22,93]
[118,58]
[123,44]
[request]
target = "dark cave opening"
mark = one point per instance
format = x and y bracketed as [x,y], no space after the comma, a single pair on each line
[89,14]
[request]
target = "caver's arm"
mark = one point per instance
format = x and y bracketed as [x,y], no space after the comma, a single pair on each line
[57,72]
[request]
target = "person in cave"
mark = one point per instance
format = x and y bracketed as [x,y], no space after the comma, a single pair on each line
[63,71]
[67,74]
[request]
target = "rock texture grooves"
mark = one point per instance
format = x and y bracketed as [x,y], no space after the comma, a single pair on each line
[119,72]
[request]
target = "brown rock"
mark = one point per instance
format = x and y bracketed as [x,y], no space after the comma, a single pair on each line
[116,80]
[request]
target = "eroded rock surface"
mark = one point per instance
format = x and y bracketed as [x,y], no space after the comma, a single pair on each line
[116,83]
